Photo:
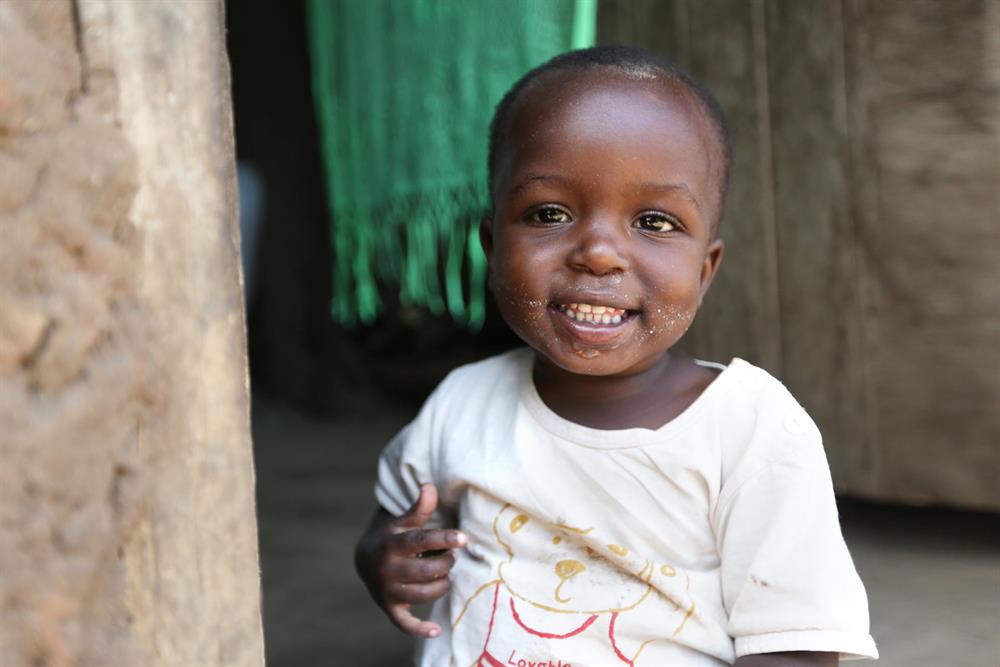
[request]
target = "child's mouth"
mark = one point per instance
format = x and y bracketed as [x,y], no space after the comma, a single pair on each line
[601,315]
[593,327]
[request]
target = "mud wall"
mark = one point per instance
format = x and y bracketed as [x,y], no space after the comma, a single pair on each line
[127,530]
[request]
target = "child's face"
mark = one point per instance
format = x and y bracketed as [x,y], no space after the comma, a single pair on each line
[605,197]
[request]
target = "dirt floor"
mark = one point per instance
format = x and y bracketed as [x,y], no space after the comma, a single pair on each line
[933,575]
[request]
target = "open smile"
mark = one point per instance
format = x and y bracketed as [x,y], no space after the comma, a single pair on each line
[585,312]
[593,326]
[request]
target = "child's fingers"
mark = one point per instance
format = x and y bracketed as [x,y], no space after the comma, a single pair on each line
[413,542]
[416,570]
[404,619]
[422,510]
[420,592]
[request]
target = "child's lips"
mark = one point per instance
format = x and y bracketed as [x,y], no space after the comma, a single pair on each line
[590,333]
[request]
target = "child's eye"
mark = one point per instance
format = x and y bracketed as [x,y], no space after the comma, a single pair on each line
[655,222]
[549,215]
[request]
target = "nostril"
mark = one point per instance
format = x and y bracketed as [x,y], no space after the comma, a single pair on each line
[599,259]
[600,269]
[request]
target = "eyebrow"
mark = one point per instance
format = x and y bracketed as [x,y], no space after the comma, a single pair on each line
[537,178]
[679,188]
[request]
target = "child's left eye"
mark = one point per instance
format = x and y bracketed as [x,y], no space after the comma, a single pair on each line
[655,222]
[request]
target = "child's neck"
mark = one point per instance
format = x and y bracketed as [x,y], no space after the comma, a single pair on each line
[648,399]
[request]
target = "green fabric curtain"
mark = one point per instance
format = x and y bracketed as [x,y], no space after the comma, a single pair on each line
[404,91]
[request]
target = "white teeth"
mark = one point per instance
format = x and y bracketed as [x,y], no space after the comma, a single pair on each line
[591,309]
[584,312]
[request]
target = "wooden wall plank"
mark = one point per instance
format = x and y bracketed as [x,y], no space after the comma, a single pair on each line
[191,572]
[821,318]
[614,22]
[739,317]
[927,104]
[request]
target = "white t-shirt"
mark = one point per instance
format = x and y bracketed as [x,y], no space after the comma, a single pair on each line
[712,537]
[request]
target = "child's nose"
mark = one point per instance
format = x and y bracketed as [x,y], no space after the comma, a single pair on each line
[599,249]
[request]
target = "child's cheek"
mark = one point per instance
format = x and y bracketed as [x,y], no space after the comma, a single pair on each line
[522,311]
[670,321]
[674,317]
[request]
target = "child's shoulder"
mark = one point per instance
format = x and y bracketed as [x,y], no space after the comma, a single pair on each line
[483,382]
[751,389]
[759,419]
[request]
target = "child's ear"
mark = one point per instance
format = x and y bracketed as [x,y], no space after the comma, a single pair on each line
[710,265]
[486,240]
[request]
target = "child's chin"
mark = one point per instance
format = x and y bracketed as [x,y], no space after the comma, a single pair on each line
[594,363]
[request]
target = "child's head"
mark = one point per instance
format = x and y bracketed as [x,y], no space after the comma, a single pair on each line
[608,172]
[632,63]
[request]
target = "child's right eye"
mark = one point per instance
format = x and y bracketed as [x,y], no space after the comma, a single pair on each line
[549,215]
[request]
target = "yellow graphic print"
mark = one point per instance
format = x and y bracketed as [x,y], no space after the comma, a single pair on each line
[618,550]
[566,570]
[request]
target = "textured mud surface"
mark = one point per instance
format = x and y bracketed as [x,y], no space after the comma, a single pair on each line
[70,343]
[127,527]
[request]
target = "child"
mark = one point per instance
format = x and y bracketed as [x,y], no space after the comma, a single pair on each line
[618,503]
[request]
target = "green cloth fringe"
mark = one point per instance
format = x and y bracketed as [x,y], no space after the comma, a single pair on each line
[404,91]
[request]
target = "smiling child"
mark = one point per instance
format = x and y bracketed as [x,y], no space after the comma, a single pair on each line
[598,498]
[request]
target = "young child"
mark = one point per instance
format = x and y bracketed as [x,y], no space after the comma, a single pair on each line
[598,498]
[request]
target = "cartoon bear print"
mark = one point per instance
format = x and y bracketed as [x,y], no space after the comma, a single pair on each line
[563,597]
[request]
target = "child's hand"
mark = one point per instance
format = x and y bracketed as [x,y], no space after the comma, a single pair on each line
[401,562]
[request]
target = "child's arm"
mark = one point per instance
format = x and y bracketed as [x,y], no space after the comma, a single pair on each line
[788,659]
[401,562]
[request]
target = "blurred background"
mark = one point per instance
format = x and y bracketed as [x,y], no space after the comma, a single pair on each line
[861,269]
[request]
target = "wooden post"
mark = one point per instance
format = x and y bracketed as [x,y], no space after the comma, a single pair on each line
[127,523]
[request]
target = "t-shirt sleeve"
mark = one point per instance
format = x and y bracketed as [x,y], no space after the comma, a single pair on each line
[401,471]
[408,461]
[788,581]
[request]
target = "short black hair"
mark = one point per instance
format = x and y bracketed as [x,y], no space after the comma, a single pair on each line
[631,62]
